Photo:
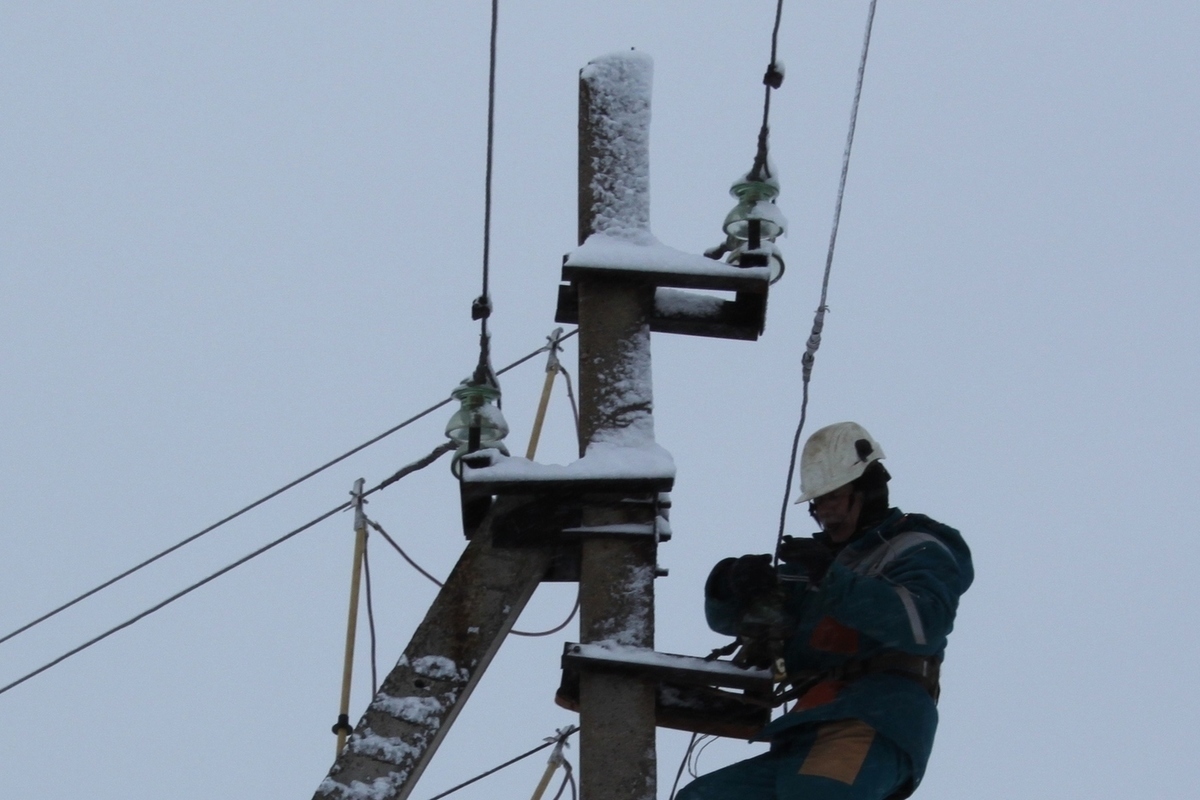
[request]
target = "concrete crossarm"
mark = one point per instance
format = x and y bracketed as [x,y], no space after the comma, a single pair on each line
[685,669]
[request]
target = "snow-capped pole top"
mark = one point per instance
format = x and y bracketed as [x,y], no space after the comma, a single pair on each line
[616,108]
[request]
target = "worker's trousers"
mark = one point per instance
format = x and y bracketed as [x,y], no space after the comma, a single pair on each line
[842,760]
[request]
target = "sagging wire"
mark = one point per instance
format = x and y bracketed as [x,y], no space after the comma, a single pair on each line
[269,496]
[694,762]
[683,763]
[556,628]
[404,555]
[438,583]
[560,736]
[574,405]
[371,619]
[814,337]
[362,570]
[691,758]
[568,779]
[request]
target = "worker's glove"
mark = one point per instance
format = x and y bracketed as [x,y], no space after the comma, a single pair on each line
[741,580]
[810,555]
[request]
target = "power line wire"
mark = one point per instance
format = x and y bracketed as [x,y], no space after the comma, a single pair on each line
[420,463]
[405,555]
[491,131]
[814,337]
[481,309]
[562,736]
[773,79]
[440,584]
[679,773]
[366,564]
[179,594]
[260,501]
[556,628]
[568,780]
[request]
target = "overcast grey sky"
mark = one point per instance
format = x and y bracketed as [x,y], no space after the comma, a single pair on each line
[237,239]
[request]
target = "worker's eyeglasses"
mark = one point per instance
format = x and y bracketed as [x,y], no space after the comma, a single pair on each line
[836,494]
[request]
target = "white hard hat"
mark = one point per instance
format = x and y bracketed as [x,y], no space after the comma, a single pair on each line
[834,456]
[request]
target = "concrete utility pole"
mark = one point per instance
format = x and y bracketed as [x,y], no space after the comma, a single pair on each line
[617,713]
[598,519]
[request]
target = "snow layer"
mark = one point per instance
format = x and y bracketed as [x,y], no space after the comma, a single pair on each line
[439,668]
[416,710]
[378,789]
[392,750]
[608,251]
[603,461]
[619,116]
[634,630]
[681,303]
[616,652]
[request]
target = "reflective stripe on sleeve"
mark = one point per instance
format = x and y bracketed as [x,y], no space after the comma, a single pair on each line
[914,618]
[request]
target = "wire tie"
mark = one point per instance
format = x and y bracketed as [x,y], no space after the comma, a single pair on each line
[773,77]
[553,347]
[360,500]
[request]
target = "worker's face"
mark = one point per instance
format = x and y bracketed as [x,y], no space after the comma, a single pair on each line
[837,512]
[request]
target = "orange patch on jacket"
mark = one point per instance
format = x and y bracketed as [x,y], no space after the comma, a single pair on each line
[834,637]
[824,692]
[839,751]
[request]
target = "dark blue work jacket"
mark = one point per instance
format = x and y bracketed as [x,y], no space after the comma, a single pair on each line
[894,588]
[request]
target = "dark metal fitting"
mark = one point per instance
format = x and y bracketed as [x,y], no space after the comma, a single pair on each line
[481,308]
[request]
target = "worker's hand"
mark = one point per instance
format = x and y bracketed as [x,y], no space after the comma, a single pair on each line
[741,579]
[809,554]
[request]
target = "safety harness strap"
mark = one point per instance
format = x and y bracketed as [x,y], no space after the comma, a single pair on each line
[925,670]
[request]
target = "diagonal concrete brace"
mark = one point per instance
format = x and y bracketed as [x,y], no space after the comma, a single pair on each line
[421,697]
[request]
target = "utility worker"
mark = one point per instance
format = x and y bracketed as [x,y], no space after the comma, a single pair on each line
[857,616]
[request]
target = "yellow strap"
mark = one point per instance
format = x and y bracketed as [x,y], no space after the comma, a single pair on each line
[360,545]
[556,758]
[545,781]
[541,413]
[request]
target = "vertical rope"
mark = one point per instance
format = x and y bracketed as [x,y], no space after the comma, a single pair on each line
[814,337]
